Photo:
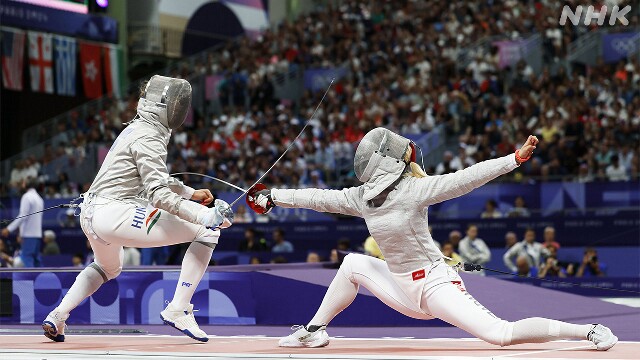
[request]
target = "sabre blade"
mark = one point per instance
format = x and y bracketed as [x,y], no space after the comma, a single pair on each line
[288,147]
[210,177]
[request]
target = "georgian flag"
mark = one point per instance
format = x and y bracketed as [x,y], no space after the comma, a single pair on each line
[40,63]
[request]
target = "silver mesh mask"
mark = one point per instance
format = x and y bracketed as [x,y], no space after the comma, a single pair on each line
[378,141]
[171,98]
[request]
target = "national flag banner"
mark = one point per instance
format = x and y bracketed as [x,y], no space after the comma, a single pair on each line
[12,58]
[113,69]
[64,49]
[40,63]
[91,63]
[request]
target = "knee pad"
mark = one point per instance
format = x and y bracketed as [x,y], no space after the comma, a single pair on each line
[107,274]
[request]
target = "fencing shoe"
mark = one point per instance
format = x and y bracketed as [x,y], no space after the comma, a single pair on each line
[54,325]
[183,320]
[602,337]
[316,336]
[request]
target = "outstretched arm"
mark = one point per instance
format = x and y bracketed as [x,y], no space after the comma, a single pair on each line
[434,189]
[346,201]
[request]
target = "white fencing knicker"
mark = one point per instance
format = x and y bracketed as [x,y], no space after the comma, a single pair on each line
[110,224]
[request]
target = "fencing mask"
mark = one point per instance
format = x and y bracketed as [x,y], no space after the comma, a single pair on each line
[166,100]
[379,160]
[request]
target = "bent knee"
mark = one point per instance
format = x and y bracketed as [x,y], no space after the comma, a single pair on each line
[107,272]
[499,333]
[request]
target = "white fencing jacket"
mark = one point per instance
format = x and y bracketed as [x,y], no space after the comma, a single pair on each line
[136,168]
[399,225]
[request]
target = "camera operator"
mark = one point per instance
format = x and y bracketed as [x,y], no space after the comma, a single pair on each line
[590,265]
[551,266]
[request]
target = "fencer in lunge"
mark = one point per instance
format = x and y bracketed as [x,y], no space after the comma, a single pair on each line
[414,280]
[134,202]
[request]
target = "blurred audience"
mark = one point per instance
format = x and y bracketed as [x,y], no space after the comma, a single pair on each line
[252,242]
[528,249]
[131,257]
[519,208]
[280,245]
[491,210]
[50,245]
[473,249]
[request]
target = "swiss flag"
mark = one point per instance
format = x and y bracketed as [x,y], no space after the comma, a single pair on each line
[91,63]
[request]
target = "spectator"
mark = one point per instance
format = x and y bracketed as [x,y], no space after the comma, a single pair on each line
[491,211]
[70,219]
[371,248]
[448,164]
[528,249]
[315,181]
[447,250]
[255,260]
[50,245]
[616,171]
[30,226]
[242,215]
[551,266]
[344,244]
[473,249]
[280,244]
[519,208]
[76,260]
[154,256]
[131,256]
[454,238]
[591,266]
[522,267]
[251,243]
[313,257]
[550,238]
[584,174]
[6,260]
[510,239]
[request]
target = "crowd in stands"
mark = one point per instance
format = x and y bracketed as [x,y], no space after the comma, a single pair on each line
[404,74]
[527,257]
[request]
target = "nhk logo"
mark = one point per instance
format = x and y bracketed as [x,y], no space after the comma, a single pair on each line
[592,14]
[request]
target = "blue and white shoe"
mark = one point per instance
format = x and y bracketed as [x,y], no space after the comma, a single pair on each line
[183,320]
[54,325]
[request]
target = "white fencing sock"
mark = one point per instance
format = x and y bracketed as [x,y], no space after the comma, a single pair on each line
[340,294]
[87,282]
[195,262]
[539,330]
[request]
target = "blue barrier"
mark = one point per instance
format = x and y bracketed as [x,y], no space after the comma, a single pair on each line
[275,295]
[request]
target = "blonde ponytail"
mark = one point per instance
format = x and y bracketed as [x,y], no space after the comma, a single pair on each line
[415,169]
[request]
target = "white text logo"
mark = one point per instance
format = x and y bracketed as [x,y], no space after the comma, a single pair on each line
[593,14]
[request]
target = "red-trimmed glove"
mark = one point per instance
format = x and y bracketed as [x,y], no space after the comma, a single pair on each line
[520,160]
[259,199]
